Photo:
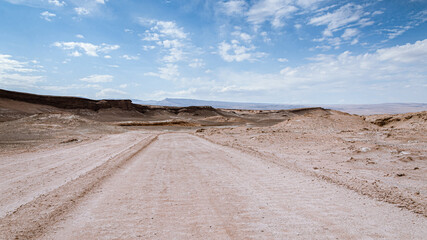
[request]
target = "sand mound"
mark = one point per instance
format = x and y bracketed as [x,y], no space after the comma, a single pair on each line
[310,111]
[12,110]
[51,125]
[406,120]
[324,119]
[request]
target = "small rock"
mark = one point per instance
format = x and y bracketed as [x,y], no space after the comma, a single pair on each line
[400,174]
[365,149]
[406,159]
[70,140]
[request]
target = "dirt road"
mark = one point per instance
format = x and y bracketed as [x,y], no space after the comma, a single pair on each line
[177,186]
[182,186]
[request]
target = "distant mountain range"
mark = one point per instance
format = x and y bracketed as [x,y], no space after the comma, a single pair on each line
[361,109]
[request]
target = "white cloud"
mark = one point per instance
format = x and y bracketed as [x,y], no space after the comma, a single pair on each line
[168,72]
[57,3]
[237,52]
[321,47]
[409,53]
[175,55]
[265,37]
[107,57]
[127,57]
[273,11]
[97,78]
[107,48]
[174,47]
[350,33]
[123,85]
[150,36]
[243,36]
[164,28]
[397,63]
[47,15]
[343,76]
[170,29]
[88,7]
[175,43]
[377,13]
[80,36]
[75,54]
[169,36]
[17,73]
[148,47]
[388,69]
[197,63]
[345,19]
[282,60]
[393,33]
[415,21]
[110,92]
[174,94]
[82,11]
[72,86]
[87,48]
[308,3]
[7,64]
[349,13]
[233,7]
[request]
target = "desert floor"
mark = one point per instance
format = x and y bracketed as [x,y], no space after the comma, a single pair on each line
[316,174]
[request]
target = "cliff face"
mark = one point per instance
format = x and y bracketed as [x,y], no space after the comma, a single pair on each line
[96,105]
[67,102]
[16,105]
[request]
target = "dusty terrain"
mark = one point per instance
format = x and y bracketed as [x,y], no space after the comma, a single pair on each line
[387,163]
[85,169]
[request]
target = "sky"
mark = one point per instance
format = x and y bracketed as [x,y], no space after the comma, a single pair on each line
[266,51]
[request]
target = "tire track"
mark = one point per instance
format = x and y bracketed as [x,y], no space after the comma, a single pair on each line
[32,219]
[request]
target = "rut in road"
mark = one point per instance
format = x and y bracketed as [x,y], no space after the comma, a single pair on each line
[31,219]
[184,187]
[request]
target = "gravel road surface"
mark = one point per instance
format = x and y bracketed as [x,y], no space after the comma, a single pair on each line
[181,186]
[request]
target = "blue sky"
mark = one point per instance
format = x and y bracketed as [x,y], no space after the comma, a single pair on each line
[275,51]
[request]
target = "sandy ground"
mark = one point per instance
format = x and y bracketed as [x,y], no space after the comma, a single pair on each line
[387,163]
[180,186]
[26,176]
